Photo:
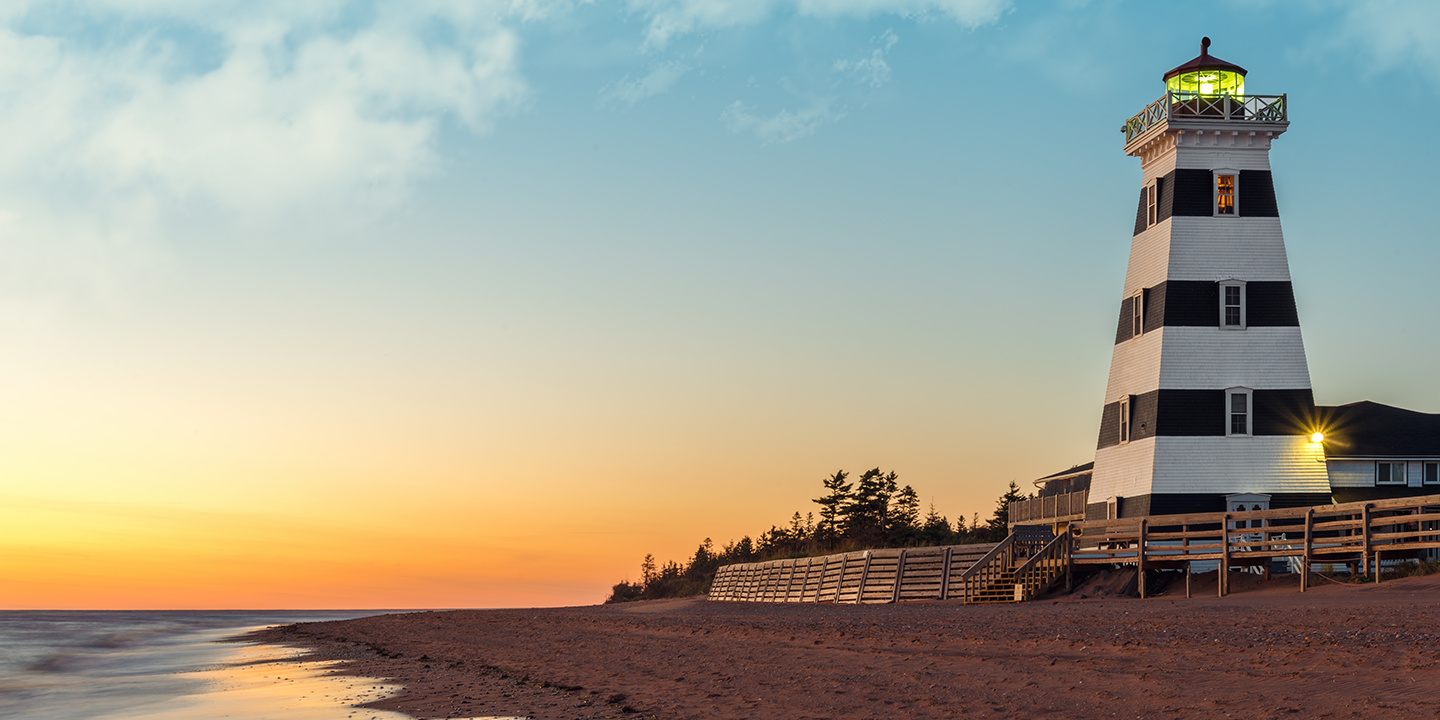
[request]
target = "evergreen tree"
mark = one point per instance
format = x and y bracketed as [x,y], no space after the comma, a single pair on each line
[797,527]
[647,569]
[905,511]
[999,525]
[935,529]
[833,505]
[869,513]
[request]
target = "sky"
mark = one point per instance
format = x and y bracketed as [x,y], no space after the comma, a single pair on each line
[473,304]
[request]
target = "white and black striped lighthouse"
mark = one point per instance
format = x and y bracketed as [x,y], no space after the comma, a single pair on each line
[1208,406]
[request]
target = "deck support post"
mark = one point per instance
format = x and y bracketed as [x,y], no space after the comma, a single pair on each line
[1265,537]
[1224,579]
[1069,561]
[1140,558]
[1309,543]
[1365,527]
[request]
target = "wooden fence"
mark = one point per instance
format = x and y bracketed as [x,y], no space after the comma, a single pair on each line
[1023,565]
[863,576]
[1361,533]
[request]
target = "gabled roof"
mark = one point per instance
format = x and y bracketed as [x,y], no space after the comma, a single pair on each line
[1204,62]
[1369,429]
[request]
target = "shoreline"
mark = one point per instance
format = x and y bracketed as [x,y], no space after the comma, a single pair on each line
[1265,650]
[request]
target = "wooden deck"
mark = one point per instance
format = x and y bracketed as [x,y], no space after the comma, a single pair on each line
[1360,534]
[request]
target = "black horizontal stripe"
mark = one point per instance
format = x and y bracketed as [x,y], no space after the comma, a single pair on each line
[1202,413]
[1187,192]
[1186,503]
[1256,191]
[1196,303]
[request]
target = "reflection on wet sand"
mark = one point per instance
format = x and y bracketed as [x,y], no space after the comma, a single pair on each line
[265,681]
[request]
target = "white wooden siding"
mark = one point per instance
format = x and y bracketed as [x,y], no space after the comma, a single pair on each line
[1122,470]
[1212,157]
[1149,258]
[1259,358]
[1135,366]
[1266,464]
[1204,248]
[1158,166]
[1352,473]
[1208,358]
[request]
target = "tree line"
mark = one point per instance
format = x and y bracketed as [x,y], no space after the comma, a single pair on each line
[872,511]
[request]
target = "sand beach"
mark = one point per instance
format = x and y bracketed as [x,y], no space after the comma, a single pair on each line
[1264,651]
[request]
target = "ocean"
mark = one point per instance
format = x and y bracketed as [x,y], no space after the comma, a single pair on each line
[168,666]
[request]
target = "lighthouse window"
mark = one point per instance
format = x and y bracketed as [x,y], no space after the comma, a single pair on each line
[1125,418]
[1152,202]
[1391,473]
[1225,195]
[1239,405]
[1232,305]
[1137,314]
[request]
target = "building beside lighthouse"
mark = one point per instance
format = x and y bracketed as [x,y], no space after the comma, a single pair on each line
[1208,406]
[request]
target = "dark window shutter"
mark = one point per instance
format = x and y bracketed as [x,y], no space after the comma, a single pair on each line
[1140,214]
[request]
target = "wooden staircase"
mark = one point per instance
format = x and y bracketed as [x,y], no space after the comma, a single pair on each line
[1025,565]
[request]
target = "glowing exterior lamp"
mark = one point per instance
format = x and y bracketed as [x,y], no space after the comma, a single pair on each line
[1206,76]
[1317,438]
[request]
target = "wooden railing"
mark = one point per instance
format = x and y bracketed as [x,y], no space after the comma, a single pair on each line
[990,571]
[1040,572]
[865,576]
[1248,108]
[1063,507]
[1361,533]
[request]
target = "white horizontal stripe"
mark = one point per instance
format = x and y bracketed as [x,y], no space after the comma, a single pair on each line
[1122,470]
[1267,464]
[1207,248]
[1260,358]
[1208,358]
[1149,258]
[1238,158]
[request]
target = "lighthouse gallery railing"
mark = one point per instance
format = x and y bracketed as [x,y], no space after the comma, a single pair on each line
[1247,108]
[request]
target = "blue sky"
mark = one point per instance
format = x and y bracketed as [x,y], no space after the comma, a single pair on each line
[582,264]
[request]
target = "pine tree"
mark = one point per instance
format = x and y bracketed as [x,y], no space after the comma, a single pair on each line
[834,504]
[935,529]
[869,513]
[999,525]
[904,521]
[647,569]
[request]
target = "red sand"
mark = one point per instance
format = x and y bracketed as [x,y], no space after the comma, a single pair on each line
[1265,651]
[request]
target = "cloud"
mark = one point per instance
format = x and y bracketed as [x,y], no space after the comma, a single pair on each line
[660,79]
[1396,33]
[784,126]
[668,19]
[252,116]
[872,70]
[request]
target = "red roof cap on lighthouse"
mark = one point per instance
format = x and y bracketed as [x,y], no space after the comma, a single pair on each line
[1204,62]
[1206,76]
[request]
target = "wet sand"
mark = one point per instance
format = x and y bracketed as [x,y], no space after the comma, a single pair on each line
[1265,651]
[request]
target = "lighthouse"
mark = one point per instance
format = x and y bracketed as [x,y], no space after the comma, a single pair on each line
[1208,406]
